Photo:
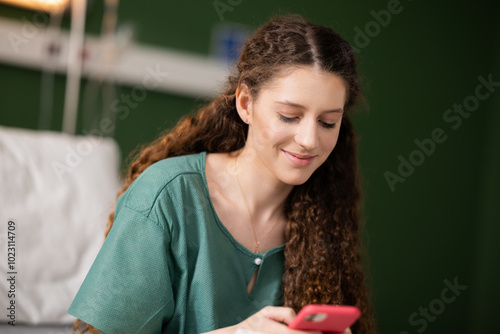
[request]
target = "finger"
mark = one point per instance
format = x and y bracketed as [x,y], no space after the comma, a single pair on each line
[266,319]
[283,328]
[347,331]
[262,323]
[279,313]
[247,331]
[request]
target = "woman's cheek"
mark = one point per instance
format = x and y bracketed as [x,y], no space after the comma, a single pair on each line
[270,136]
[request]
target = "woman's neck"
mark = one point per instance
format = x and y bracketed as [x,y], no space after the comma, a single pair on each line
[264,192]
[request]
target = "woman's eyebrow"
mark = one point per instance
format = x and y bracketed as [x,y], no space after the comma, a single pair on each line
[296,105]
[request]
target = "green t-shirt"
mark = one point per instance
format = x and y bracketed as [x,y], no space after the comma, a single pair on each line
[169,265]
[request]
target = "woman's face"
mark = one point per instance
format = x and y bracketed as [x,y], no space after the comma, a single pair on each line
[294,123]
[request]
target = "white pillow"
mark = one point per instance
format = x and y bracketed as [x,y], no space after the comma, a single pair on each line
[58,190]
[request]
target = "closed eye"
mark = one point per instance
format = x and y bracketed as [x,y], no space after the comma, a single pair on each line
[323,123]
[328,125]
[286,119]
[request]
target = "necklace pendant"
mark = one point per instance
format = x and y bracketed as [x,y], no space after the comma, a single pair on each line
[256,247]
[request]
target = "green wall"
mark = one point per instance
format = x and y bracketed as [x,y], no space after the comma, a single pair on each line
[436,227]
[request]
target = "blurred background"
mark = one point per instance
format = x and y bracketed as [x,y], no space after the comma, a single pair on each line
[428,131]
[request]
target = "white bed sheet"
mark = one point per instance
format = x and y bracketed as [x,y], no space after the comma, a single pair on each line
[59,190]
[41,329]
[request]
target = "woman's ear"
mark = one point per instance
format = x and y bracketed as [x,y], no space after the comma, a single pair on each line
[244,103]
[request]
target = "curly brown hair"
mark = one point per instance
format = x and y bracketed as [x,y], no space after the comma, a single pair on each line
[322,254]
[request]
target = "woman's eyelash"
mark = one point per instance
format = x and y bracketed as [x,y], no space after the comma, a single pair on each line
[291,119]
[286,119]
[328,125]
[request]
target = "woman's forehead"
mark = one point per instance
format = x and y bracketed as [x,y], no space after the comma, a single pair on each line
[306,87]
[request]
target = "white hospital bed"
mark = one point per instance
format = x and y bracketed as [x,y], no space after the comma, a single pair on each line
[58,190]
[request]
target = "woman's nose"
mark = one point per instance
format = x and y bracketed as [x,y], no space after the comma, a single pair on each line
[307,134]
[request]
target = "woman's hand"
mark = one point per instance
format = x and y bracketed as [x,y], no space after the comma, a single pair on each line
[347,331]
[272,320]
[269,320]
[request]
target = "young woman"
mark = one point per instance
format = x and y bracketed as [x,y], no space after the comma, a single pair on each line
[247,211]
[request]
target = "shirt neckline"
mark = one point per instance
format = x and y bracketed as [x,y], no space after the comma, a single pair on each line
[246,251]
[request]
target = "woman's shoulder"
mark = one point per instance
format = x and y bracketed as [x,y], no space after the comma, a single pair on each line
[169,168]
[146,189]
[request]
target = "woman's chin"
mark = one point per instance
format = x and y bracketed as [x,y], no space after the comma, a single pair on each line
[296,180]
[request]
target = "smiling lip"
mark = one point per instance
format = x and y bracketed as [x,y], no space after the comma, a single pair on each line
[299,159]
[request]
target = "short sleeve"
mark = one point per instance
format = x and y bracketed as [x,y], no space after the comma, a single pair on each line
[128,288]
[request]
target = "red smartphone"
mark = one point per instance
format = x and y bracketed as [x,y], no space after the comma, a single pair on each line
[325,318]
